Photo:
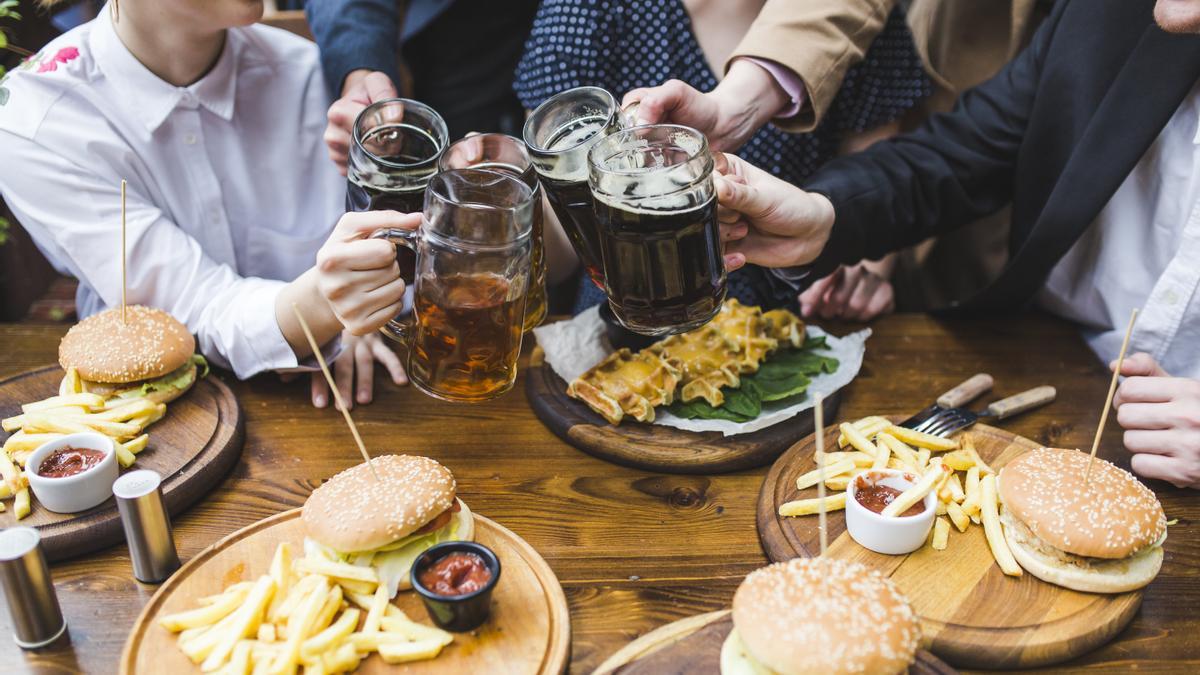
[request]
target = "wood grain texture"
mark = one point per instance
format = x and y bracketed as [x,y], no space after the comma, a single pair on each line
[692,646]
[653,447]
[192,448]
[528,631]
[972,615]
[633,550]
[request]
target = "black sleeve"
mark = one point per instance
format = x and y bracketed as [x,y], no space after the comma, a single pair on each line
[956,168]
[353,34]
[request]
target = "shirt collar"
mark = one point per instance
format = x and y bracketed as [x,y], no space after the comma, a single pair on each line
[151,98]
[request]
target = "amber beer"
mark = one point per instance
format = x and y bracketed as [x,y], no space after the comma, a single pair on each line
[503,153]
[559,134]
[472,280]
[655,204]
[468,334]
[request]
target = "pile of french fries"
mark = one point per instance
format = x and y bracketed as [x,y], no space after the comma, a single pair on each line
[319,614]
[965,484]
[71,411]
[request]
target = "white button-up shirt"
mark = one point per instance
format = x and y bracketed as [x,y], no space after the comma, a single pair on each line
[1143,251]
[230,190]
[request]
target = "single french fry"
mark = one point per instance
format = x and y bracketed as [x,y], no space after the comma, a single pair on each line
[281,571]
[128,411]
[323,641]
[923,459]
[861,459]
[11,474]
[933,475]
[336,570]
[244,623]
[951,490]
[45,423]
[971,499]
[21,505]
[813,477]
[989,511]
[899,465]
[146,419]
[379,603]
[406,652]
[960,519]
[897,447]
[969,447]
[364,587]
[333,602]
[921,439]
[136,445]
[858,440]
[89,401]
[838,483]
[124,457]
[959,460]
[807,507]
[26,442]
[225,604]
[71,383]
[941,533]
[882,457]
[941,508]
[869,426]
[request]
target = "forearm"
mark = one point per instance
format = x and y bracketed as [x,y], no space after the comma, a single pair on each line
[751,95]
[353,35]
[303,295]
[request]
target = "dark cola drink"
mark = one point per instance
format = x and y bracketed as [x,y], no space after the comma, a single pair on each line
[655,204]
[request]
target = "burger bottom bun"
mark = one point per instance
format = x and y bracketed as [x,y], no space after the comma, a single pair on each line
[465,522]
[736,659]
[1092,575]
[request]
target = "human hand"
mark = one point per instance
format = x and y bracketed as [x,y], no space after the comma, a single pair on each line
[360,89]
[745,100]
[854,293]
[1161,418]
[768,221]
[358,276]
[354,369]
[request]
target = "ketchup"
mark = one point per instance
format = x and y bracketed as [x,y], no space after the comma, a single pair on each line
[457,573]
[875,496]
[66,462]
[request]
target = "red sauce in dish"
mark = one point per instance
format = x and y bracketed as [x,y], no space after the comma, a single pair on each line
[457,573]
[66,462]
[875,496]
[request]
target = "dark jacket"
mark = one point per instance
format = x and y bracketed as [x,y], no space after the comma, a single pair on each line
[1054,133]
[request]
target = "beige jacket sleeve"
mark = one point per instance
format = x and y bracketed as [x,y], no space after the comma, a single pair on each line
[818,40]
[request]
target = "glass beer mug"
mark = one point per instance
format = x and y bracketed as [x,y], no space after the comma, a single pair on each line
[393,153]
[472,277]
[656,212]
[559,133]
[503,153]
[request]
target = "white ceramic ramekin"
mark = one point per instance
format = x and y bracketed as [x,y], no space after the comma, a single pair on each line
[893,536]
[82,491]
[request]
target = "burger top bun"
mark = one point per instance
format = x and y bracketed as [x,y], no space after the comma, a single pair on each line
[812,615]
[354,512]
[150,343]
[1112,516]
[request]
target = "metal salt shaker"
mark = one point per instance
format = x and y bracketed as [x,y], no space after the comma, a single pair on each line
[36,617]
[147,525]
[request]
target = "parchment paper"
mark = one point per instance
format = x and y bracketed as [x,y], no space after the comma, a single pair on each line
[574,345]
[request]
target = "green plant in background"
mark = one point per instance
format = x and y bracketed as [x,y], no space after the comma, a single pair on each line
[8,10]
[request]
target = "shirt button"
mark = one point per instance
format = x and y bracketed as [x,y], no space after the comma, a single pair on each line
[190,139]
[1170,297]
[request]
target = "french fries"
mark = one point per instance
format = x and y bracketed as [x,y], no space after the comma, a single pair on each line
[950,468]
[298,616]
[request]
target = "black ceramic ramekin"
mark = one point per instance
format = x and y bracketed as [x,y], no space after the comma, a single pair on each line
[458,613]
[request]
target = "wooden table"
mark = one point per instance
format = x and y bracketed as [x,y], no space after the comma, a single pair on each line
[633,550]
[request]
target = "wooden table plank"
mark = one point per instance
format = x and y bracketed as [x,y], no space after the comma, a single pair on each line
[634,550]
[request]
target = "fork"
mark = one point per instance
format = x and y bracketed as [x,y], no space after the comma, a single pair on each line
[947,421]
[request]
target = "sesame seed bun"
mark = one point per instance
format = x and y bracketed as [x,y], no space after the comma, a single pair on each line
[1113,516]
[150,343]
[823,616]
[353,512]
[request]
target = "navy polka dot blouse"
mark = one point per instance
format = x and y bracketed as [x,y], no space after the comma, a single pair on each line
[625,44]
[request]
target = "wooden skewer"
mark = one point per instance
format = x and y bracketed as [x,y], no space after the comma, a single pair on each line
[819,416]
[1112,389]
[123,284]
[337,395]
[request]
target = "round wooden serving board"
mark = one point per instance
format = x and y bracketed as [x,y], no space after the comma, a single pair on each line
[972,615]
[529,630]
[693,646]
[192,448]
[653,447]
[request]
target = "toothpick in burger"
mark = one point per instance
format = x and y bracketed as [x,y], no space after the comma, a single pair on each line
[149,355]
[386,523]
[1103,536]
[813,615]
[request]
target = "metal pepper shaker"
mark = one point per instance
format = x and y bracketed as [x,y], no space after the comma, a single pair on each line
[29,590]
[147,525]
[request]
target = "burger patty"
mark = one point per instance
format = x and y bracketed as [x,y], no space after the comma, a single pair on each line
[442,520]
[1021,533]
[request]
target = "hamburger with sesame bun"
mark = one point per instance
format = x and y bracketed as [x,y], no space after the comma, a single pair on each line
[386,523]
[816,615]
[149,354]
[1103,536]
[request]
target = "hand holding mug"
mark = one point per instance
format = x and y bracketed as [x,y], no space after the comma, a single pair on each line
[360,89]
[358,276]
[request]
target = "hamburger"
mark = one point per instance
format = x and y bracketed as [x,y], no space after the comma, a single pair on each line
[813,615]
[386,523]
[149,355]
[1105,536]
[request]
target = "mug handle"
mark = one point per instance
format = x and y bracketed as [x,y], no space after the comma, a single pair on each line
[629,115]
[400,330]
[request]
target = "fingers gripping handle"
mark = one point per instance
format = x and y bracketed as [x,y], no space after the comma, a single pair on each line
[400,329]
